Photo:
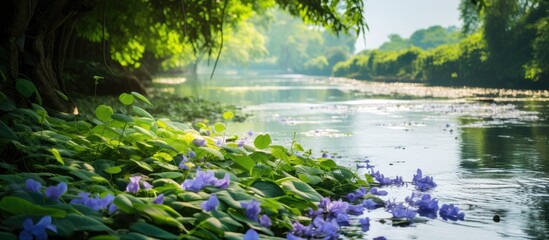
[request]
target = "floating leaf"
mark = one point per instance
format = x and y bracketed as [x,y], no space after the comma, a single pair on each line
[262,141]
[268,189]
[126,99]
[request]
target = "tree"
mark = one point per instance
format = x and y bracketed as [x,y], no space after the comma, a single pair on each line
[36,35]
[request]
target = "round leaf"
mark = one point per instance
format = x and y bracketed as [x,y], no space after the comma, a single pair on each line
[104,113]
[228,115]
[126,99]
[262,141]
[219,127]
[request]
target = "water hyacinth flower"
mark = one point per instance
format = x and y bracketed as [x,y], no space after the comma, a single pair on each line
[356,210]
[112,209]
[342,219]
[351,197]
[301,230]
[96,203]
[133,185]
[251,235]
[451,212]
[147,186]
[39,230]
[191,154]
[330,229]
[359,193]
[54,192]
[32,185]
[265,221]
[380,238]
[159,199]
[250,133]
[399,211]
[199,142]
[370,204]
[290,236]
[364,224]
[252,209]
[423,183]
[211,203]
[182,164]
[204,179]
[375,191]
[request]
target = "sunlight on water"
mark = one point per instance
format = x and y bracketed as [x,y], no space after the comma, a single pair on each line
[487,149]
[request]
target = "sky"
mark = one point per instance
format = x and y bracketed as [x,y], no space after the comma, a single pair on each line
[404,17]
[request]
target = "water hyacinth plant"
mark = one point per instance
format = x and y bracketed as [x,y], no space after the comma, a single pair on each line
[127,174]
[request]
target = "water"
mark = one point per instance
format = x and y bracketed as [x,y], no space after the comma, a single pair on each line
[488,156]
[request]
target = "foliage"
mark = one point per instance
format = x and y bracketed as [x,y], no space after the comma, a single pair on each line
[424,38]
[125,174]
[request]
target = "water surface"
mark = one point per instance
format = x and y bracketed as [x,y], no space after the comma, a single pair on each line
[487,149]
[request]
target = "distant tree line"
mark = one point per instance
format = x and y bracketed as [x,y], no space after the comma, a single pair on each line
[506,46]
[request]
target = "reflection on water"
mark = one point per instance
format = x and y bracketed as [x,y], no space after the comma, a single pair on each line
[488,157]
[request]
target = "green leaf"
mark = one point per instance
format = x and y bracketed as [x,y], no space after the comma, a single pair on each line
[142,98]
[104,113]
[170,175]
[159,214]
[228,115]
[301,189]
[219,127]
[6,132]
[262,141]
[62,95]
[8,236]
[152,231]
[143,165]
[141,112]
[244,161]
[268,189]
[16,205]
[25,87]
[113,170]
[327,163]
[122,118]
[126,99]
[104,237]
[57,156]
[86,223]
[135,236]
[124,204]
[216,153]
[261,170]
[278,153]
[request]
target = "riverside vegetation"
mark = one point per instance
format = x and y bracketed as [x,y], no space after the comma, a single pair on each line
[125,174]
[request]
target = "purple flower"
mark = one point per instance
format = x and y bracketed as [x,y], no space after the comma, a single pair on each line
[38,230]
[54,192]
[32,185]
[315,213]
[147,186]
[96,203]
[427,203]
[224,182]
[204,179]
[133,185]
[381,179]
[325,155]
[359,193]
[399,211]
[380,238]
[364,224]
[251,235]
[375,191]
[351,197]
[451,212]
[337,207]
[329,228]
[301,230]
[370,204]
[423,183]
[324,202]
[199,142]
[159,199]
[182,164]
[252,209]
[355,210]
[265,221]
[290,236]
[211,203]
[112,209]
[342,219]
[192,154]
[250,133]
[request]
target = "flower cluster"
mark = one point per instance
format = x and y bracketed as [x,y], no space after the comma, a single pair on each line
[451,212]
[96,203]
[30,230]
[423,183]
[135,182]
[52,192]
[204,179]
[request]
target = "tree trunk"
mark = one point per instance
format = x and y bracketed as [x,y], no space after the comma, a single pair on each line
[37,37]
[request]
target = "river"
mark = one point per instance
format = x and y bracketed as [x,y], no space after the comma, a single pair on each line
[487,149]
